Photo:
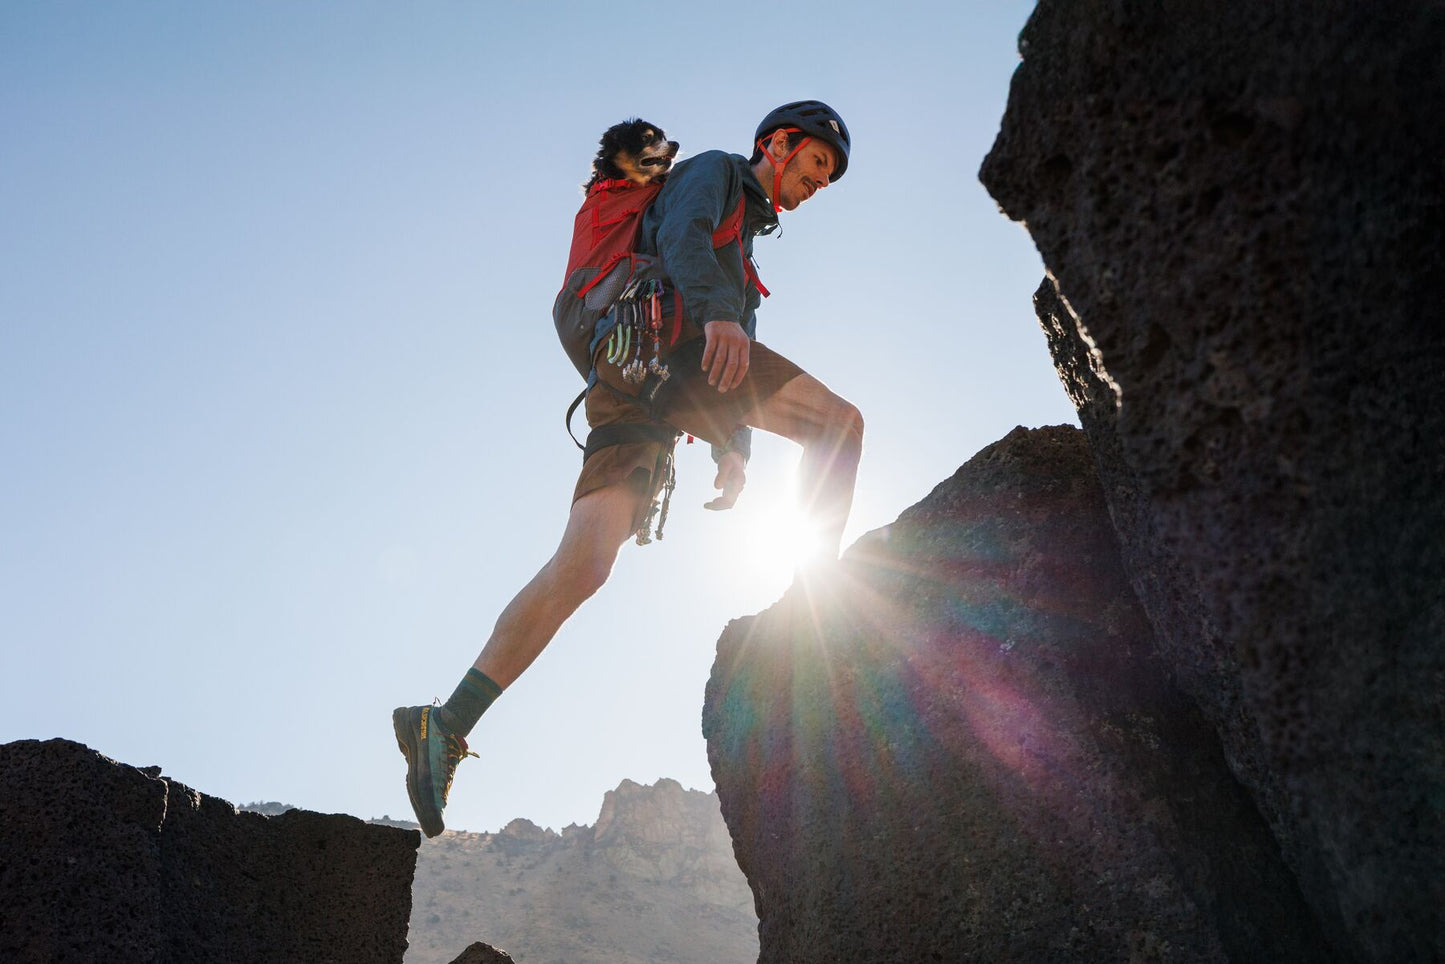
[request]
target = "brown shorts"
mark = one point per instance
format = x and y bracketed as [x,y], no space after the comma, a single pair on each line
[685,401]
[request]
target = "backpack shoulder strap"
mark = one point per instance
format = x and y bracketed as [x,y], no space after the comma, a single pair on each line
[730,230]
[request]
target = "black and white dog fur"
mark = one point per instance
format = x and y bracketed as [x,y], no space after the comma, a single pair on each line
[633,150]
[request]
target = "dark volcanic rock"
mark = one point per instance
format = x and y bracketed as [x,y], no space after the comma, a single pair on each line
[480,953]
[962,746]
[105,862]
[1242,211]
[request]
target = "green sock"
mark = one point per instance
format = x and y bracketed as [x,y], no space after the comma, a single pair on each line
[469,701]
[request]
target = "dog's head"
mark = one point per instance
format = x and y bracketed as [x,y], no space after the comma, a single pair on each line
[633,150]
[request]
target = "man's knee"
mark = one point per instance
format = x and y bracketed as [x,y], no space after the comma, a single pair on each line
[583,563]
[600,522]
[849,419]
[838,421]
[808,412]
[584,570]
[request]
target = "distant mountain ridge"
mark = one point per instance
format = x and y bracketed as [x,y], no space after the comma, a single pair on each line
[274,808]
[653,880]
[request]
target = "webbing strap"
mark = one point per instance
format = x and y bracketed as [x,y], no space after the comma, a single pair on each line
[752,274]
[627,432]
[779,168]
[614,184]
[605,435]
[732,230]
[731,227]
[582,395]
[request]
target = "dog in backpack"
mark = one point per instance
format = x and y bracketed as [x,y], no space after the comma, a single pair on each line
[633,150]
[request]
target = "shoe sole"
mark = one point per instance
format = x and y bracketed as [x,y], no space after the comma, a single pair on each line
[406,742]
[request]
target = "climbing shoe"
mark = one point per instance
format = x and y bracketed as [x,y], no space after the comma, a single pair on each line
[432,754]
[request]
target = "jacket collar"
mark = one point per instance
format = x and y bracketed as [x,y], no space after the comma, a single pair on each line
[759,216]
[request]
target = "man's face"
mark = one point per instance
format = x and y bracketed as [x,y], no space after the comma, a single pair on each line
[806,173]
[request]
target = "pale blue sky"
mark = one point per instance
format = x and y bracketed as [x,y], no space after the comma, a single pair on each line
[281,403]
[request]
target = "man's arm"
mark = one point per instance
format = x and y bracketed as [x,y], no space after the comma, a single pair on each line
[699,197]
[731,477]
[732,462]
[725,355]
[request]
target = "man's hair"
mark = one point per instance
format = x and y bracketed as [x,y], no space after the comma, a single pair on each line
[794,139]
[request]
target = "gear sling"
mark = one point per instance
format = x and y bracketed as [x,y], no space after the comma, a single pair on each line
[613,292]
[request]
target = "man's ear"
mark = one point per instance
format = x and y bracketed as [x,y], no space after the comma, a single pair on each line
[777,145]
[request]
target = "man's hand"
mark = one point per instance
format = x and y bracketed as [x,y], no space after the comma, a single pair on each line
[731,478]
[725,356]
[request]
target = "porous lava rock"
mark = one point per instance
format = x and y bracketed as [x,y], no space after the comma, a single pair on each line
[100,861]
[961,745]
[1241,209]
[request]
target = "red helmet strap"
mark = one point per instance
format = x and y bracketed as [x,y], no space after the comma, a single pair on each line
[779,167]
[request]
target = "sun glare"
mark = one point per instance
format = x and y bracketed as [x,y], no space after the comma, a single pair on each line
[782,538]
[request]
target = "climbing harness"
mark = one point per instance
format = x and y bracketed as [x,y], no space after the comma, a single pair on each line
[638,327]
[603,436]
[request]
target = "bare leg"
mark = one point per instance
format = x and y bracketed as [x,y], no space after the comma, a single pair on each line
[598,525]
[830,430]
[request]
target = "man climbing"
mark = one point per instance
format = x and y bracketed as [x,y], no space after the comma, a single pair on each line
[721,383]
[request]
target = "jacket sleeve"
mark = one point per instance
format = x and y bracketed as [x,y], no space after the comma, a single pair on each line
[741,443]
[696,206]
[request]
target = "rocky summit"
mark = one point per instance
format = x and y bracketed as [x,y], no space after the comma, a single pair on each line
[962,745]
[134,866]
[100,861]
[1171,688]
[1241,208]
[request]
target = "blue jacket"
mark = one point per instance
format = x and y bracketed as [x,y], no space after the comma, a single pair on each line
[700,193]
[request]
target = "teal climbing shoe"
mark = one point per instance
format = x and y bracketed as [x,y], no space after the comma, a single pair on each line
[432,754]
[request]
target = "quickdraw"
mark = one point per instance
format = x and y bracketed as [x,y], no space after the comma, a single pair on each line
[657,511]
[638,326]
[639,322]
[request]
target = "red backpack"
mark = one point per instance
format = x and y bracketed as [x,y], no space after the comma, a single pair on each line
[604,260]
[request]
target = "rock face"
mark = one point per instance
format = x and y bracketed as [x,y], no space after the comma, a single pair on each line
[105,862]
[962,746]
[1241,208]
[653,880]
